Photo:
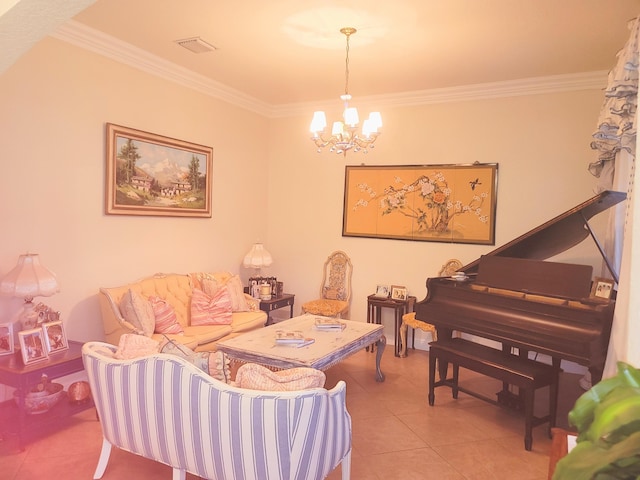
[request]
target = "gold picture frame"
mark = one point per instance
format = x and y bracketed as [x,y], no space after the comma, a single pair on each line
[398,292]
[32,346]
[431,203]
[149,174]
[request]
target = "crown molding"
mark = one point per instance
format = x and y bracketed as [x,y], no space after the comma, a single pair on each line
[93,40]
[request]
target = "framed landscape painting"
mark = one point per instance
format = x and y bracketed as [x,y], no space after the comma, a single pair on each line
[149,174]
[431,203]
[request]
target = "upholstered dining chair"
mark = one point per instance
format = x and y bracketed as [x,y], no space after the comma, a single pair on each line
[409,319]
[335,290]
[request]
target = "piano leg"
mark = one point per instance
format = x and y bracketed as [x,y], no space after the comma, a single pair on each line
[596,373]
[443,366]
[432,376]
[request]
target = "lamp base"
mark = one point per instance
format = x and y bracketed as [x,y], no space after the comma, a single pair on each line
[28,318]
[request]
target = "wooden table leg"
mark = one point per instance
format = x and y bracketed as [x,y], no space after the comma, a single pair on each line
[381,344]
[403,338]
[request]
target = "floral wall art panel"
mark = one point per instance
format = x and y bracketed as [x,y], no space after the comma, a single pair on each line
[431,203]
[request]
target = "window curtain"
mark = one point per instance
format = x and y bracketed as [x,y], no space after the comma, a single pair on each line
[615,141]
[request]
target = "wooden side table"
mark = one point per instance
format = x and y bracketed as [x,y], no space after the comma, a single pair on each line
[284,300]
[400,307]
[15,374]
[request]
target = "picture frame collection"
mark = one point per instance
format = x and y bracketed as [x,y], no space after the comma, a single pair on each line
[36,344]
[394,292]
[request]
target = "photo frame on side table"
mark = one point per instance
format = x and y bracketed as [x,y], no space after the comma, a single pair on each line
[602,289]
[32,345]
[382,291]
[6,338]
[398,292]
[54,337]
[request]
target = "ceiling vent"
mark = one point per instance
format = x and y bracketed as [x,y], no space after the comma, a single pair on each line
[196,45]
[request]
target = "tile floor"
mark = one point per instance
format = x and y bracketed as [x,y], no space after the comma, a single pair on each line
[396,434]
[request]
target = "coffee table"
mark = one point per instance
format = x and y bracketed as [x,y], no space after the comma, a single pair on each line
[328,349]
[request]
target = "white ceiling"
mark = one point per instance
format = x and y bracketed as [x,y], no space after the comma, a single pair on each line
[290,51]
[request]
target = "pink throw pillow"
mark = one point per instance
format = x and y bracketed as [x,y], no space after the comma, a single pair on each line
[211,310]
[236,292]
[257,377]
[166,320]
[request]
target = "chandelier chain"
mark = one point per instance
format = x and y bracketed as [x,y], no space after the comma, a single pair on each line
[346,68]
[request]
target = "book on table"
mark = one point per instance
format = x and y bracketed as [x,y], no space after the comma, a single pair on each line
[330,324]
[293,338]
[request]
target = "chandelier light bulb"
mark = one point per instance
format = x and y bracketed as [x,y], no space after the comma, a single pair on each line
[318,123]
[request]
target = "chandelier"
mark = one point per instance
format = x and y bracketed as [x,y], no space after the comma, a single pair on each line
[344,134]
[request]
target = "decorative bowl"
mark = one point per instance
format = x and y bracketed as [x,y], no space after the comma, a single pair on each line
[79,392]
[40,399]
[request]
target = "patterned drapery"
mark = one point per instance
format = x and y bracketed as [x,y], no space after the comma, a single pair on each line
[615,141]
[616,124]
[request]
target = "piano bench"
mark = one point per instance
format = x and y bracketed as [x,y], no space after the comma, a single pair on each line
[527,375]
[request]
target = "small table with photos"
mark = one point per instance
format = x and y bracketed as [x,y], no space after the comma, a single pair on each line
[14,418]
[375,304]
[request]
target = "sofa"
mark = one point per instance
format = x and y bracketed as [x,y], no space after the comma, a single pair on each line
[197,309]
[184,418]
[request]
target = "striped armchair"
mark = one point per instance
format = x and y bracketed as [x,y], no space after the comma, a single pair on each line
[163,408]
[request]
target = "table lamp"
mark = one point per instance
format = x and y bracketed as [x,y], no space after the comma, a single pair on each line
[257,257]
[27,280]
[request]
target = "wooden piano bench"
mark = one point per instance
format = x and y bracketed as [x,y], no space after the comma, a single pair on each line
[527,375]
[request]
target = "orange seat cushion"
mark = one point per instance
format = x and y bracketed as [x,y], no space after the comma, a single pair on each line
[327,308]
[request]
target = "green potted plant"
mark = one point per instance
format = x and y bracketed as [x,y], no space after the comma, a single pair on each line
[607,418]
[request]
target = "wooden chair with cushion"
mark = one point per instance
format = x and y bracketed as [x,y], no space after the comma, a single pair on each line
[335,290]
[409,319]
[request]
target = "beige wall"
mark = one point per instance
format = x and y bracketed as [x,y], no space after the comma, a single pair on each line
[268,181]
[55,102]
[540,142]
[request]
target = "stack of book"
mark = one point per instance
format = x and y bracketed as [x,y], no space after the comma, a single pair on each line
[326,324]
[294,339]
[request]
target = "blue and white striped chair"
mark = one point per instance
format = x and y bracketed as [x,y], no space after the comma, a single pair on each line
[164,408]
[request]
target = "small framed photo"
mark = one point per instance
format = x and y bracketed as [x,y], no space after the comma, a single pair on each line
[32,345]
[382,291]
[54,338]
[602,289]
[398,292]
[6,338]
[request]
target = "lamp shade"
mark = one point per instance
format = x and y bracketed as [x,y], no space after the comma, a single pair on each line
[257,257]
[29,279]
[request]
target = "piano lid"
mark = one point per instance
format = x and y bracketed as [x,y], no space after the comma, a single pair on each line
[558,234]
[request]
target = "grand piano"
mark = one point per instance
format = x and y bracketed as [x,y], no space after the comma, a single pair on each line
[514,297]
